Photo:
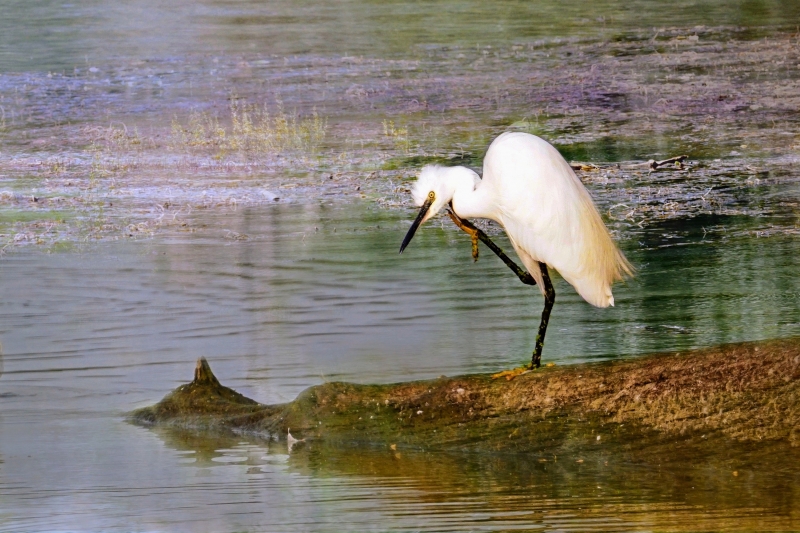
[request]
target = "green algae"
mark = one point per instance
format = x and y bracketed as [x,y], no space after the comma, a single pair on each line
[203,403]
[744,395]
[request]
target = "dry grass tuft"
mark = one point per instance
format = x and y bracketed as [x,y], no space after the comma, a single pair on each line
[749,392]
[398,135]
[253,131]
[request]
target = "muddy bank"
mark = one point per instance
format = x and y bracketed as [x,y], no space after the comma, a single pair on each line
[127,150]
[737,394]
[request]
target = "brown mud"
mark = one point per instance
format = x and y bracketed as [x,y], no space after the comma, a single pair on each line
[742,398]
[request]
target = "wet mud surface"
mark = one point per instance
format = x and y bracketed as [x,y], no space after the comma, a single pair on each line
[718,404]
[124,151]
[700,440]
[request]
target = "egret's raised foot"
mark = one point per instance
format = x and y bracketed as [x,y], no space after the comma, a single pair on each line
[469,229]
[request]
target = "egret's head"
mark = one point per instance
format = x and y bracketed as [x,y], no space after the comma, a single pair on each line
[434,189]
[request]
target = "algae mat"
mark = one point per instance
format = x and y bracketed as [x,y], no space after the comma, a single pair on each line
[744,398]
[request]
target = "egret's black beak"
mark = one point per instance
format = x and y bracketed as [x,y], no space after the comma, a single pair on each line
[422,212]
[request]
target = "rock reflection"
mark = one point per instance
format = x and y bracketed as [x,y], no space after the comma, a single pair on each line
[617,488]
[204,449]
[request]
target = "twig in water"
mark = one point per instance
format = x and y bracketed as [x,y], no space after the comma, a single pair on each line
[584,166]
[678,161]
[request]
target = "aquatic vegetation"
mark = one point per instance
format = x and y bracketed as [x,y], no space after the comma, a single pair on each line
[715,94]
[254,131]
[725,395]
[398,135]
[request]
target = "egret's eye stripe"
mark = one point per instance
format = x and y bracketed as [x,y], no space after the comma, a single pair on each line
[431,196]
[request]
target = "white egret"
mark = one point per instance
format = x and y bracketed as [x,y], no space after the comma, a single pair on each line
[532,192]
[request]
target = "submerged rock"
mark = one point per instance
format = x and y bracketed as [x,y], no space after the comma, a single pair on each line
[740,394]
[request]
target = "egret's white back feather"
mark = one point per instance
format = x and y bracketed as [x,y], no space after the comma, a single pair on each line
[550,217]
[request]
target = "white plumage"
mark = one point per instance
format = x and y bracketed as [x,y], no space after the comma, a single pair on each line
[530,190]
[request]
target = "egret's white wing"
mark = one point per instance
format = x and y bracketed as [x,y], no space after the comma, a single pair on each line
[550,217]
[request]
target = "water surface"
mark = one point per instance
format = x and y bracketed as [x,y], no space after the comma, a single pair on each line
[285,297]
[53,35]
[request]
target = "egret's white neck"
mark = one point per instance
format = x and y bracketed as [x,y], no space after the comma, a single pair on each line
[460,185]
[470,198]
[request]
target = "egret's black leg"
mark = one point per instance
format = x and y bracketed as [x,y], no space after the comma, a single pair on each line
[549,300]
[524,276]
[476,234]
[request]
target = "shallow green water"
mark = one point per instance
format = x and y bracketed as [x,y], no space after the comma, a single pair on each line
[309,293]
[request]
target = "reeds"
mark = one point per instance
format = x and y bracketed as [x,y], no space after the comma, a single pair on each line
[254,131]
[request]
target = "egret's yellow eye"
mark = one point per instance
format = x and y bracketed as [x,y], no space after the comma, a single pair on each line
[431,196]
